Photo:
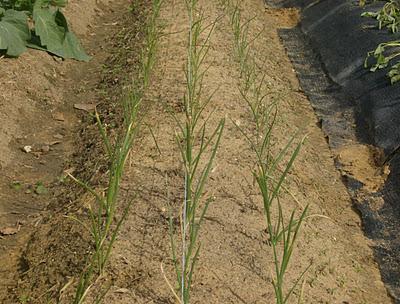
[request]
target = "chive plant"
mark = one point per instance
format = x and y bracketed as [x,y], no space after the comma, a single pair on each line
[104,226]
[283,232]
[198,149]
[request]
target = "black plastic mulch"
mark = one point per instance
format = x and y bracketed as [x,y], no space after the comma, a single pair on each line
[328,50]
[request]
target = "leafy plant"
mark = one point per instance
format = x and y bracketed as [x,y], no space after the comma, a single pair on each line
[50,31]
[388,16]
[14,32]
[383,57]
[384,54]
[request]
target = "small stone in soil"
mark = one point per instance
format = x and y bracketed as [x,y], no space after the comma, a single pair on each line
[88,107]
[9,230]
[122,290]
[59,116]
[27,149]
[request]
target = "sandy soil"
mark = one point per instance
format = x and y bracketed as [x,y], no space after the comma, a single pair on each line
[235,261]
[37,98]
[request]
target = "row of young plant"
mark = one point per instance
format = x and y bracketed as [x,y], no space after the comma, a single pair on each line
[105,223]
[198,148]
[386,54]
[195,142]
[272,167]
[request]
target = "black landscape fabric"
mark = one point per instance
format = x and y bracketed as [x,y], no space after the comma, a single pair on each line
[328,50]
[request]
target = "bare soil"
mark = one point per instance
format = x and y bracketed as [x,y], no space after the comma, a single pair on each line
[35,139]
[48,249]
[39,99]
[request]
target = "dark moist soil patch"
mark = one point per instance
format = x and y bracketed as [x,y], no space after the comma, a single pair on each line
[58,248]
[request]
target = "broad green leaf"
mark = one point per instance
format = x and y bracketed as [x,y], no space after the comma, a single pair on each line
[51,35]
[34,43]
[52,29]
[71,48]
[14,32]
